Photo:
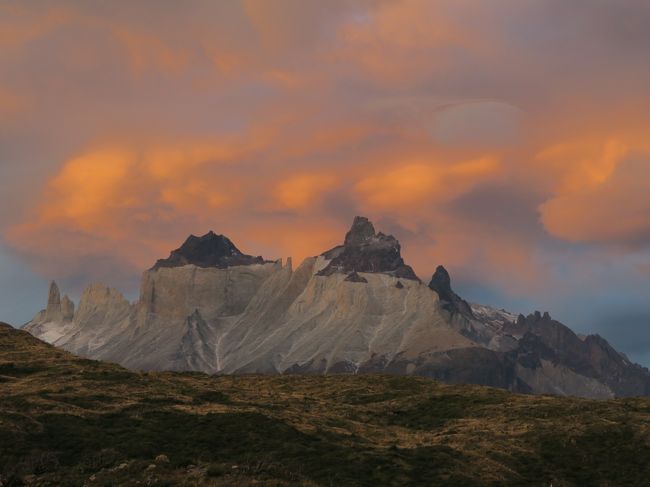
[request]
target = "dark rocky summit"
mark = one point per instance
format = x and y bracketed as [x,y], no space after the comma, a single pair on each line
[452,302]
[364,250]
[210,250]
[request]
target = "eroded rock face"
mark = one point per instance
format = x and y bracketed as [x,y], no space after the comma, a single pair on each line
[364,250]
[210,250]
[102,316]
[355,277]
[101,303]
[53,300]
[549,340]
[175,293]
[67,308]
[324,324]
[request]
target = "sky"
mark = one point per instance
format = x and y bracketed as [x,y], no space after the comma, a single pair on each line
[508,140]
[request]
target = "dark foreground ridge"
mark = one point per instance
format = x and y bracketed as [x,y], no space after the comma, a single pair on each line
[71,421]
[364,250]
[210,250]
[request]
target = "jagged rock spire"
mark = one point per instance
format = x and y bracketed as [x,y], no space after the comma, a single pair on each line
[441,282]
[54,296]
[53,310]
[362,230]
[366,251]
[452,302]
[58,309]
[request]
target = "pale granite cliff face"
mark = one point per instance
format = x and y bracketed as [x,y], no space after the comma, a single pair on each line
[358,308]
[55,320]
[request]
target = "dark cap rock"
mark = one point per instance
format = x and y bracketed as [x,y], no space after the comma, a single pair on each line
[210,250]
[364,250]
[452,302]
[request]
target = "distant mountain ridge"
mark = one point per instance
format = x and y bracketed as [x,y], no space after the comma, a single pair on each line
[357,308]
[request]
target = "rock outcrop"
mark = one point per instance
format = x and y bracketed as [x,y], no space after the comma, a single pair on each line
[58,309]
[53,310]
[355,277]
[56,320]
[366,251]
[210,250]
[357,308]
[67,309]
[551,342]
[441,284]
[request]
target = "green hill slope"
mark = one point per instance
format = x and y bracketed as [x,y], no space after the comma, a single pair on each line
[70,421]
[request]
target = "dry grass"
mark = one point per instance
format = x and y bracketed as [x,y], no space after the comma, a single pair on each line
[70,421]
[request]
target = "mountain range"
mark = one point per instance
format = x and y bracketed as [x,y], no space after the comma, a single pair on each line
[355,309]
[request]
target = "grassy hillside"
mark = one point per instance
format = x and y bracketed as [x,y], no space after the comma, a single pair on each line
[70,421]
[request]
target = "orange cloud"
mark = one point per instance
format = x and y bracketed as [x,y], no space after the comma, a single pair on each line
[116,200]
[276,122]
[86,185]
[415,183]
[298,238]
[583,164]
[496,259]
[193,196]
[301,191]
[617,210]
[168,162]
[599,191]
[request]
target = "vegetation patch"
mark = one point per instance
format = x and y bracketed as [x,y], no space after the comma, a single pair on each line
[84,401]
[436,411]
[110,375]
[20,370]
[65,421]
[206,397]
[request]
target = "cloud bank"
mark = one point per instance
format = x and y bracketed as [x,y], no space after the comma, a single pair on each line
[507,140]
